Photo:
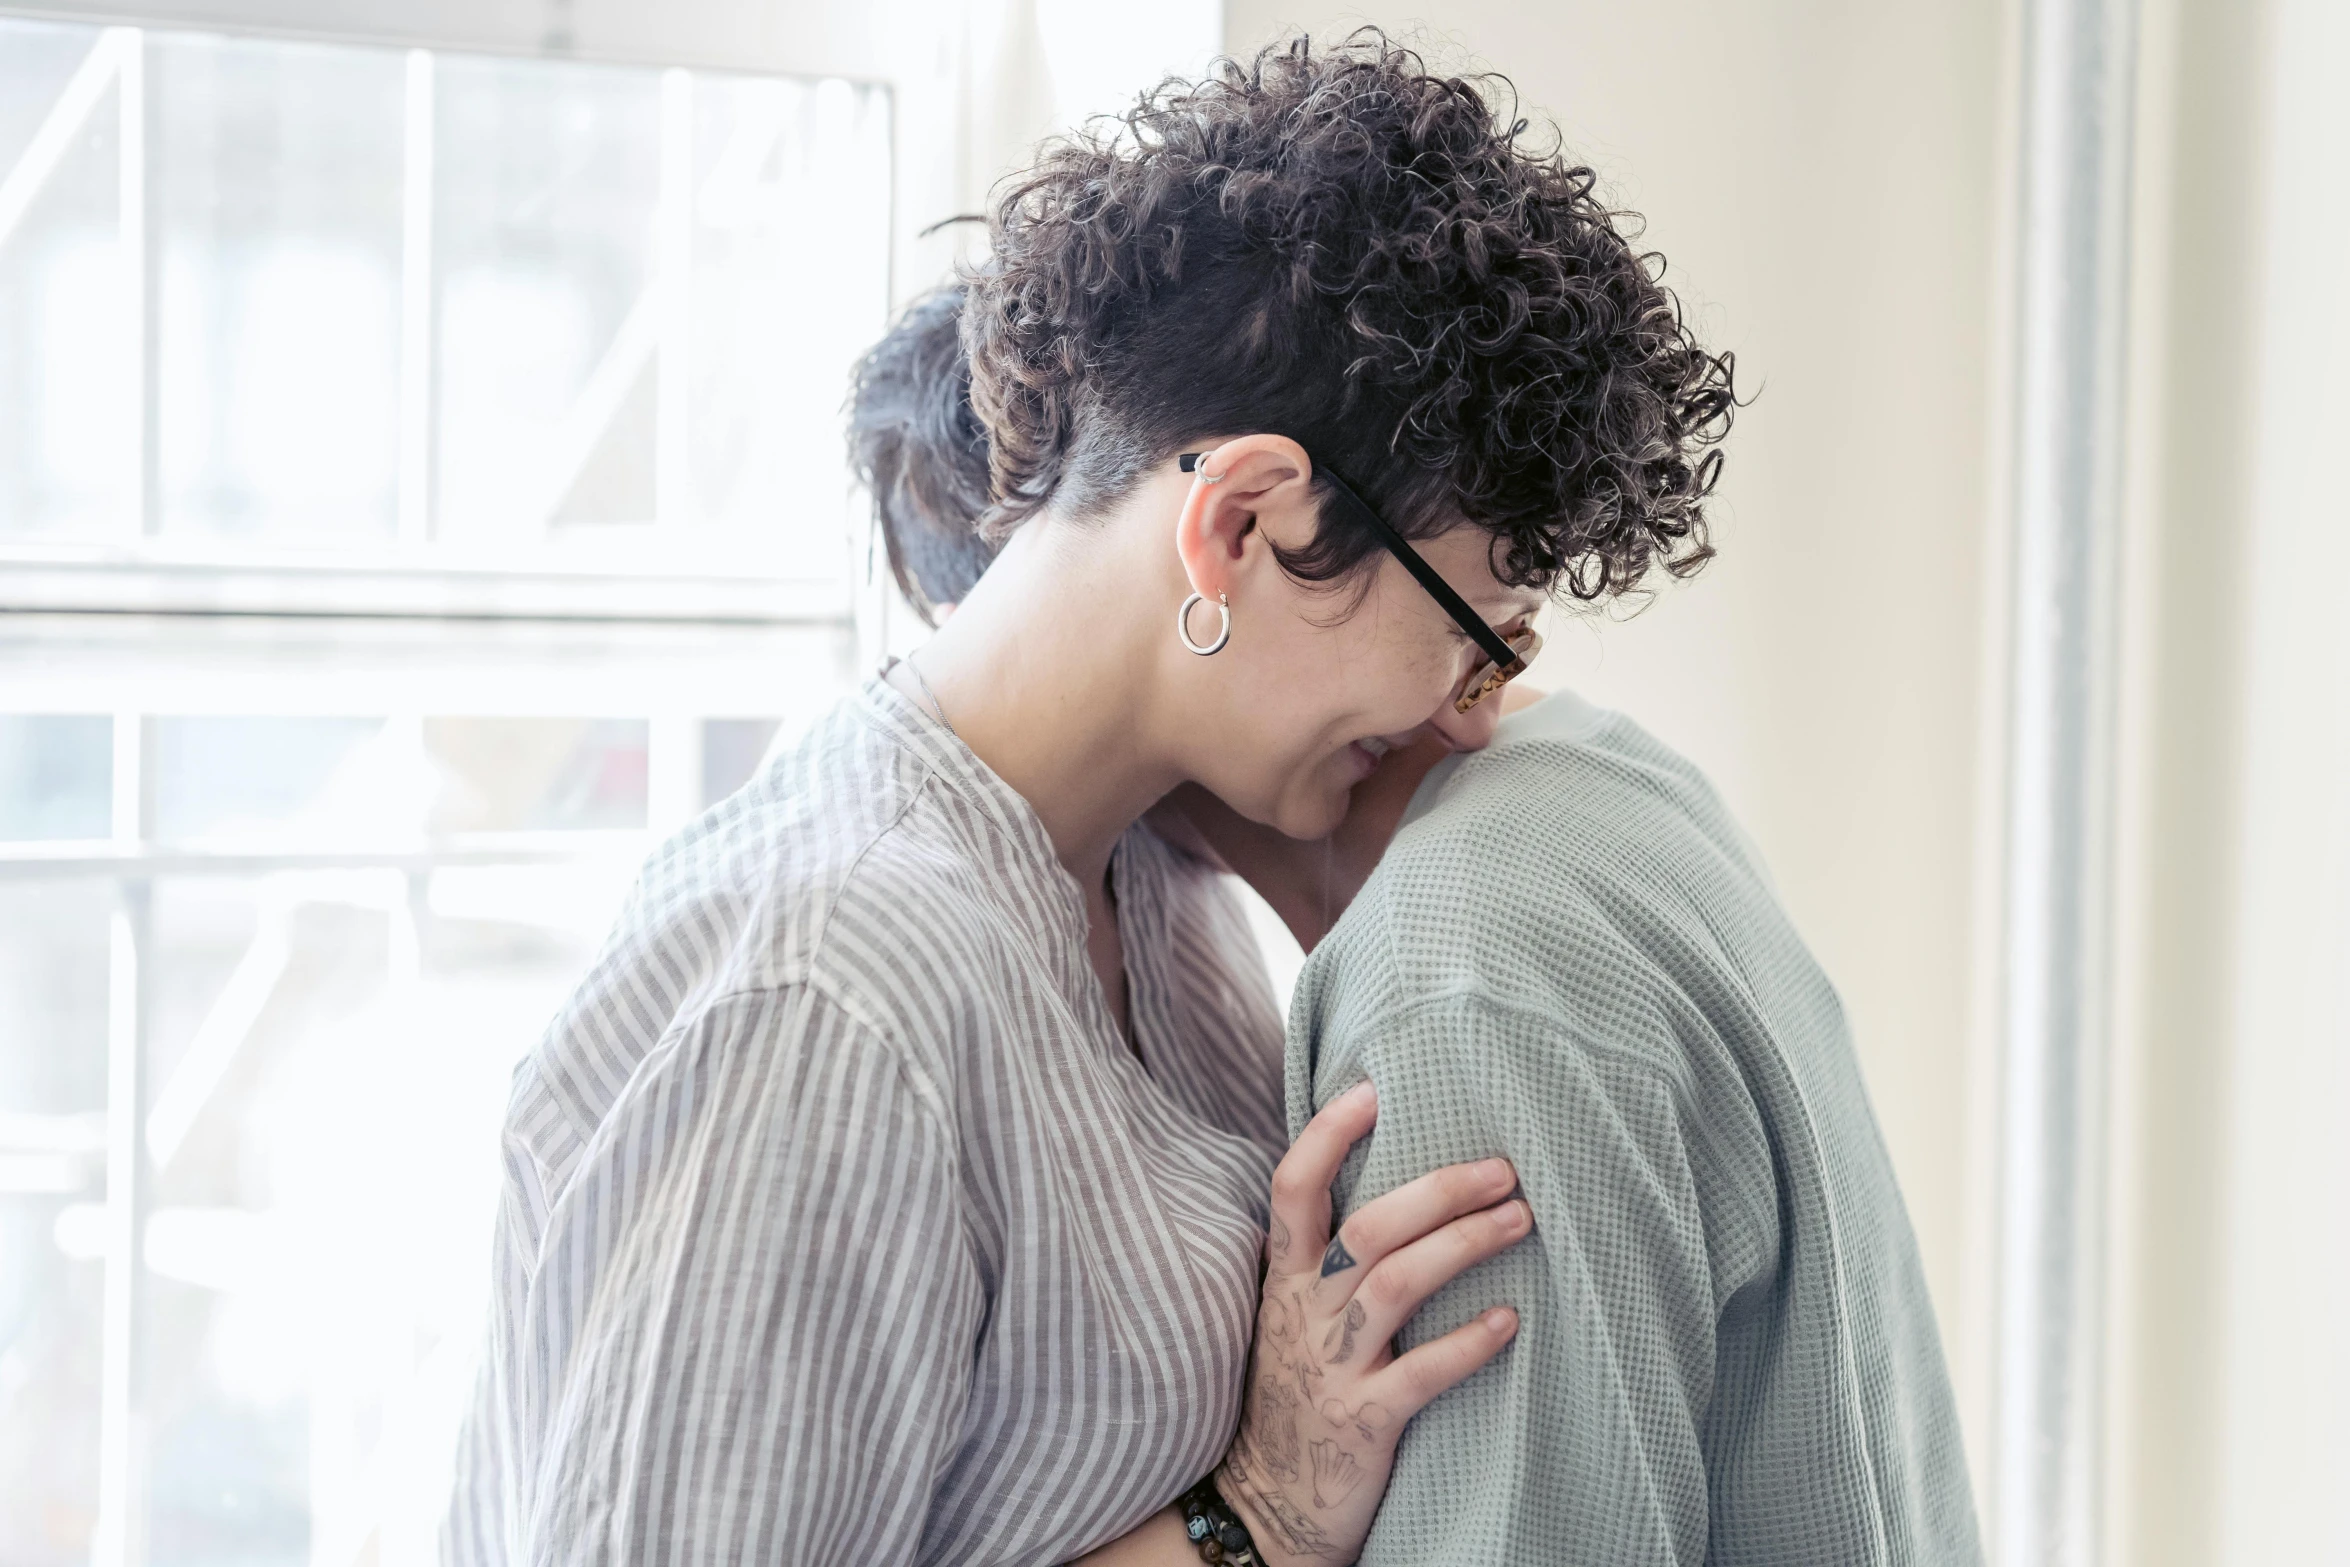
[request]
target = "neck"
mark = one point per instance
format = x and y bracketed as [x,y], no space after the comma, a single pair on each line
[1042,671]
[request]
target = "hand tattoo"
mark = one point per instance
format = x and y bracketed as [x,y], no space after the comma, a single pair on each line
[1284,1319]
[1277,1238]
[1339,1343]
[1283,1519]
[1368,1420]
[1272,1433]
[1335,1474]
[1281,1470]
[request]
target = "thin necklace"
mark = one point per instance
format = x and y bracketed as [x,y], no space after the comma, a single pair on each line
[915,670]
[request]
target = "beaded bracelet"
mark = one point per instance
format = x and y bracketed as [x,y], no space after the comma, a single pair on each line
[1208,1520]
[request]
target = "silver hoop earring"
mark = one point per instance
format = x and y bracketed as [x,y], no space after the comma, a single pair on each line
[1223,631]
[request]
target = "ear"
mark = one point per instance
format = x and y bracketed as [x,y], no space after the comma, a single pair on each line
[1248,492]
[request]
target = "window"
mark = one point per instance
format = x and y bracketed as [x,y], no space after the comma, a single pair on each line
[420,489]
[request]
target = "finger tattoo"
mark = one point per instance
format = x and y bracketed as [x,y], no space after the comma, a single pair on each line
[1277,1238]
[1337,1259]
[1339,1343]
[1284,1319]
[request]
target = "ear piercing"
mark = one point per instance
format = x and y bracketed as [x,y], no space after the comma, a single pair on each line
[1223,631]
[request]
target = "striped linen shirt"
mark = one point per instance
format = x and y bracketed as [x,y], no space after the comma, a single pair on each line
[840,1225]
[1571,956]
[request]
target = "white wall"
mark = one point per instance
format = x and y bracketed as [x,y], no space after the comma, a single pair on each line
[1822,177]
[1830,181]
[2283,1358]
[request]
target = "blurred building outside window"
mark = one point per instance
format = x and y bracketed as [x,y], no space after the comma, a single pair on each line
[420,490]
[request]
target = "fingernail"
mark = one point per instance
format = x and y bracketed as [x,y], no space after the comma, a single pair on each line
[1516,1216]
[1501,1322]
[1360,1092]
[1494,1172]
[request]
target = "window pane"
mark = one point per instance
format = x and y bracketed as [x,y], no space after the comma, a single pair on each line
[331,1059]
[526,309]
[543,203]
[49,1315]
[53,955]
[277,176]
[67,371]
[239,776]
[790,268]
[53,942]
[56,776]
[525,774]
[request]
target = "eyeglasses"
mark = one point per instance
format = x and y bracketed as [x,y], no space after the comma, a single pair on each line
[1506,658]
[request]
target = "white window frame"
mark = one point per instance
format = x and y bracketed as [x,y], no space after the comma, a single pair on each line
[666,575]
[82,623]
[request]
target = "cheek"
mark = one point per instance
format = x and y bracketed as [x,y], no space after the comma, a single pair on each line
[1384,684]
[1279,751]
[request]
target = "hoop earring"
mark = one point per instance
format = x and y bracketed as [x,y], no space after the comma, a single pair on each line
[1223,631]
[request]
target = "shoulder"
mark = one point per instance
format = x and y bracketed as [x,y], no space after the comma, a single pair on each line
[1584,864]
[749,882]
[1575,899]
[919,930]
[1587,807]
[737,902]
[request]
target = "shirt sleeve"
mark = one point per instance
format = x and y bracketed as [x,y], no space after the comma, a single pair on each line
[763,1256]
[1585,1432]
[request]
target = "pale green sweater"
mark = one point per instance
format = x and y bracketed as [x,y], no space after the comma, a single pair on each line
[1571,956]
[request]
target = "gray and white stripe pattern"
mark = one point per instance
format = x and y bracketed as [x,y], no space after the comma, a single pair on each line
[839,1223]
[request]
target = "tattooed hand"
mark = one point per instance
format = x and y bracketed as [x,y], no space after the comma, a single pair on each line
[1327,1396]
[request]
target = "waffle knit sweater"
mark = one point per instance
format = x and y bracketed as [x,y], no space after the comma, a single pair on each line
[1571,957]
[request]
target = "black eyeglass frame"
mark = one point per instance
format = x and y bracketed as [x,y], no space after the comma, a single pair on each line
[1506,662]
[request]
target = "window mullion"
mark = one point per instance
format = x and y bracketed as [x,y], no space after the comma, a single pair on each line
[137,237]
[673,276]
[122,1416]
[416,311]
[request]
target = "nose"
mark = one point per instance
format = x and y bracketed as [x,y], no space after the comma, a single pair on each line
[1469,731]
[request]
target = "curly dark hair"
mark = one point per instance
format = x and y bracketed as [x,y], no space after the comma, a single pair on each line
[921,452]
[1338,246]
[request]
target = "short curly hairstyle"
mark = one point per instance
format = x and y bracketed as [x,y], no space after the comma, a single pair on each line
[1339,246]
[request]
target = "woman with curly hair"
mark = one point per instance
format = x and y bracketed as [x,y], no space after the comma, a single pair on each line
[895,1188]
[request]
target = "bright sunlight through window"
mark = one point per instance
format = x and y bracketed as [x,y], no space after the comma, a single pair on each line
[451,448]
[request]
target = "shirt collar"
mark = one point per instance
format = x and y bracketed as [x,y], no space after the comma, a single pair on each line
[957,768]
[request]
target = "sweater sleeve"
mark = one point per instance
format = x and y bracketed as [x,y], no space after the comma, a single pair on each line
[1587,1430]
[775,1361]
